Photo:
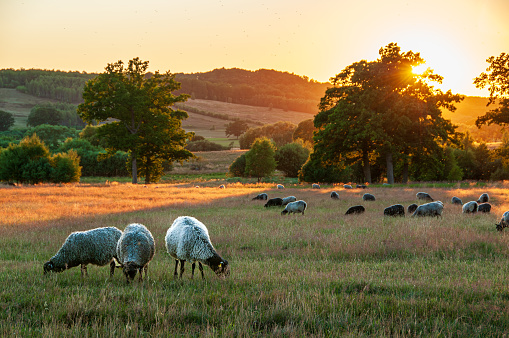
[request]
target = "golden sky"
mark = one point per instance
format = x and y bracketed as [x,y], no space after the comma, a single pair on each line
[310,38]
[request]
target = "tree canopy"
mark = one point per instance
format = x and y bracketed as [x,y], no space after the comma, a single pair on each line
[381,108]
[141,120]
[496,79]
[6,120]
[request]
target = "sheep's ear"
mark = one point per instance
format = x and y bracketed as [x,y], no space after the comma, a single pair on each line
[221,265]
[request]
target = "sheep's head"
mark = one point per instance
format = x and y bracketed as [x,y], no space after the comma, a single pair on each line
[501,226]
[129,269]
[222,269]
[50,266]
[284,212]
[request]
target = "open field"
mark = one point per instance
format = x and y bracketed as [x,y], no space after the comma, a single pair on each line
[318,274]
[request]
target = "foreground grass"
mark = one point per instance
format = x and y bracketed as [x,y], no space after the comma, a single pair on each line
[321,274]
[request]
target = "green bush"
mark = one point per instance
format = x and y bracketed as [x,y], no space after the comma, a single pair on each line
[66,168]
[204,145]
[238,167]
[315,171]
[290,158]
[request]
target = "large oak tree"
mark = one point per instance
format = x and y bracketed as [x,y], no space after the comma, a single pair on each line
[137,106]
[382,108]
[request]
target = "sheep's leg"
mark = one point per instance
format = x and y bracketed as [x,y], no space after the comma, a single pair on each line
[140,271]
[146,270]
[112,268]
[84,270]
[192,269]
[176,266]
[201,270]
[182,262]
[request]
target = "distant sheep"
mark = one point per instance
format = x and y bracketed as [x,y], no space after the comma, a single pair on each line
[456,200]
[470,207]
[484,207]
[280,186]
[368,197]
[361,186]
[274,202]
[295,207]
[135,250]
[222,186]
[188,239]
[289,199]
[96,246]
[356,209]
[315,186]
[334,195]
[504,222]
[424,196]
[411,208]
[429,209]
[484,198]
[262,196]
[395,210]
[347,186]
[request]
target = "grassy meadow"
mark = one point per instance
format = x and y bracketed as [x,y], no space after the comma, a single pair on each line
[318,274]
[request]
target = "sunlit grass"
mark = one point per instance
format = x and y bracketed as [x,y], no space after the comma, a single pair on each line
[322,273]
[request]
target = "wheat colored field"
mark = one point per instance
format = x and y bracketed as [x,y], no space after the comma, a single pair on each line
[318,274]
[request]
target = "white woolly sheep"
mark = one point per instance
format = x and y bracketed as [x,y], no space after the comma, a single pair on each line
[188,240]
[395,210]
[334,195]
[347,186]
[470,207]
[429,209]
[135,250]
[262,196]
[368,197]
[222,186]
[504,221]
[289,199]
[315,186]
[484,198]
[96,246]
[424,196]
[295,207]
[280,186]
[456,200]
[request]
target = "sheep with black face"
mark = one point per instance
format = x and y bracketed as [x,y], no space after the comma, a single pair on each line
[135,250]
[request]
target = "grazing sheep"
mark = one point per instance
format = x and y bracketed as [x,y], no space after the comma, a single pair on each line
[429,209]
[96,246]
[289,199]
[504,221]
[347,186]
[361,186]
[470,207]
[315,186]
[262,196]
[274,202]
[411,208]
[295,207]
[356,209]
[484,198]
[280,186]
[424,196]
[135,249]
[222,186]
[334,195]
[484,207]
[456,200]
[395,210]
[368,197]
[188,239]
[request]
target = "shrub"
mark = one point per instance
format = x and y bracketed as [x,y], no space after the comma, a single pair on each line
[238,167]
[204,145]
[260,160]
[315,171]
[66,168]
[290,158]
[6,120]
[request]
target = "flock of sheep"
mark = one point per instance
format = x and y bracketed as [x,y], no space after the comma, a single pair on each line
[186,240]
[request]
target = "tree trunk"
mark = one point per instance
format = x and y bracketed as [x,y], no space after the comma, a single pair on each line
[390,168]
[134,169]
[405,171]
[366,167]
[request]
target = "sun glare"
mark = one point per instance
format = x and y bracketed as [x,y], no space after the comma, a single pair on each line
[420,69]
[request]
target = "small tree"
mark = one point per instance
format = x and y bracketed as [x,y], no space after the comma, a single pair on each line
[238,167]
[236,128]
[291,157]
[6,120]
[66,168]
[260,160]
[44,114]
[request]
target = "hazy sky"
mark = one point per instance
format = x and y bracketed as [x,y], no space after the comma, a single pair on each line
[312,38]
